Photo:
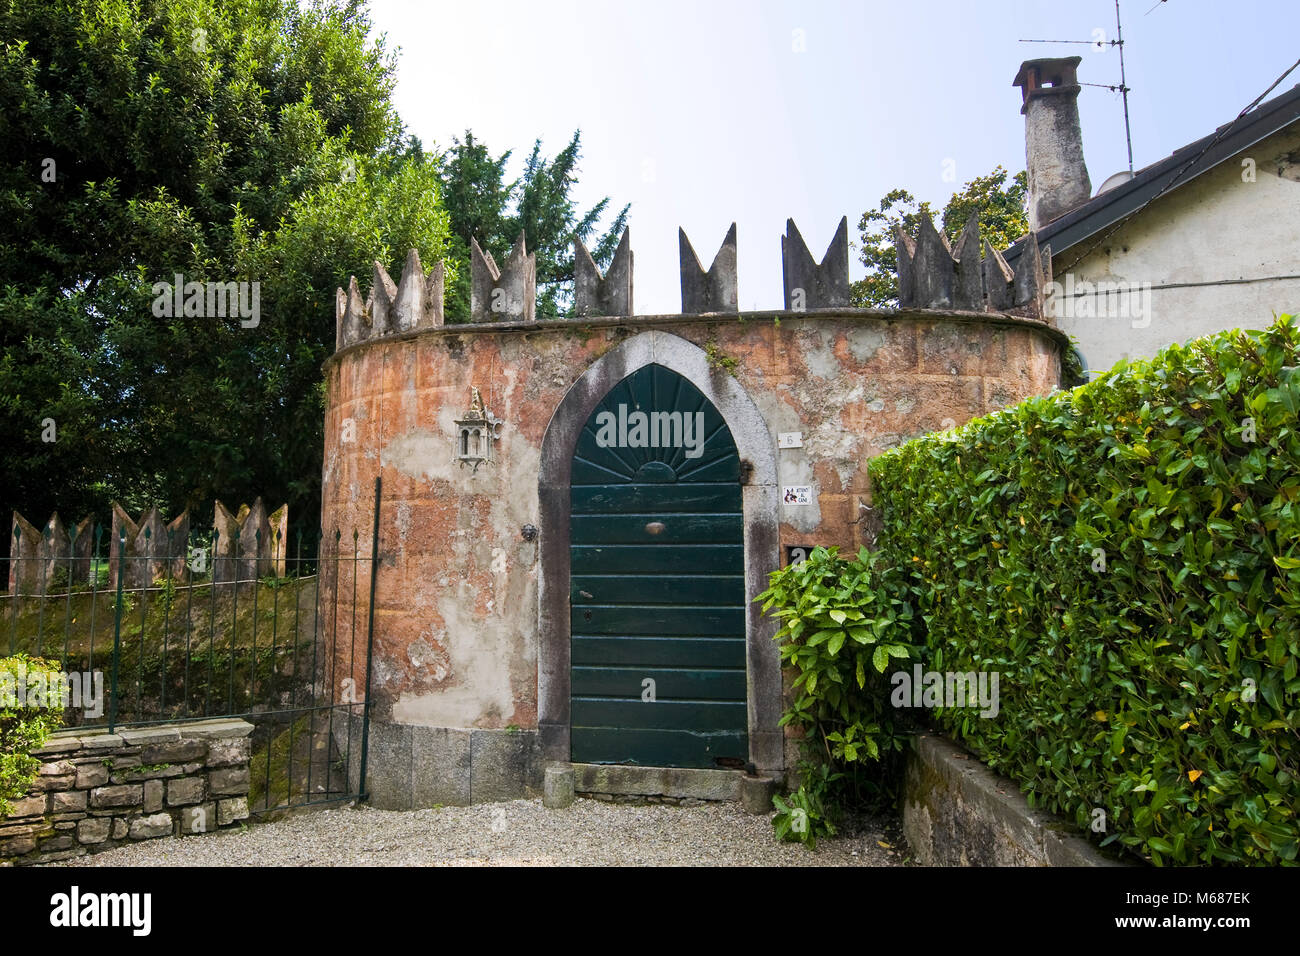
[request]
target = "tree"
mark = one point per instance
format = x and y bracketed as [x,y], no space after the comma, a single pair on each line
[549,221]
[476,196]
[385,206]
[1002,220]
[254,141]
[482,206]
[250,140]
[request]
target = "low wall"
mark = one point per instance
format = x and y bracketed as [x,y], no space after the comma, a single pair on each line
[957,812]
[97,790]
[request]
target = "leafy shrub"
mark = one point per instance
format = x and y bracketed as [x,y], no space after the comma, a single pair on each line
[806,817]
[1127,556]
[842,622]
[25,723]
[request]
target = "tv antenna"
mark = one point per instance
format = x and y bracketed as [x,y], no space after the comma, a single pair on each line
[1123,88]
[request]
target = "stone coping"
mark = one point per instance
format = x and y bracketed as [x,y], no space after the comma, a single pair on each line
[567,325]
[91,738]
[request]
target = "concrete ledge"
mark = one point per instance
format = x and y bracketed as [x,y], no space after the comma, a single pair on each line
[957,812]
[624,780]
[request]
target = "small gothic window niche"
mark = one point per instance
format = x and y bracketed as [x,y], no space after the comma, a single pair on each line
[476,433]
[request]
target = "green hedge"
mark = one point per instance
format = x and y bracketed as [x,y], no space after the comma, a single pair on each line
[1127,556]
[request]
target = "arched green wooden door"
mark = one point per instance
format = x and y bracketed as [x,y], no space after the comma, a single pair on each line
[657,588]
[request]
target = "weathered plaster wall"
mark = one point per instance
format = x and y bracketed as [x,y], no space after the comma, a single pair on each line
[457,591]
[1214,228]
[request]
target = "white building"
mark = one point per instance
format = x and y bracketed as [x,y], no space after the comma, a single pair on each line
[1206,239]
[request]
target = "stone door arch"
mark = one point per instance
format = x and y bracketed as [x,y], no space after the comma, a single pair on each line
[756,450]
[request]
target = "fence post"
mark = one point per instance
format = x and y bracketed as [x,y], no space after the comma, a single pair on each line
[370,644]
[15,576]
[117,630]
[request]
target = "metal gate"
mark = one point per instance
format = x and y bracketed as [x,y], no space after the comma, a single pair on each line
[283,644]
[657,588]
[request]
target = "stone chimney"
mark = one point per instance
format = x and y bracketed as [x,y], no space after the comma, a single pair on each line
[1058,178]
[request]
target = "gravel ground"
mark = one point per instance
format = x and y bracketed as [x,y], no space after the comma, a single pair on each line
[518,833]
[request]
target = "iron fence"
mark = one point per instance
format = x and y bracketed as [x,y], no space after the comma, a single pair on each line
[176,631]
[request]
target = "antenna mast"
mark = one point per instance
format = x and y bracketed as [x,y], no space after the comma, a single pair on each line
[1123,86]
[1123,89]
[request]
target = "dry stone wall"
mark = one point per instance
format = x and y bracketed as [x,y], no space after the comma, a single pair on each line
[97,790]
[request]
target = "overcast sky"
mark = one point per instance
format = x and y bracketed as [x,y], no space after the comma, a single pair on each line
[707,112]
